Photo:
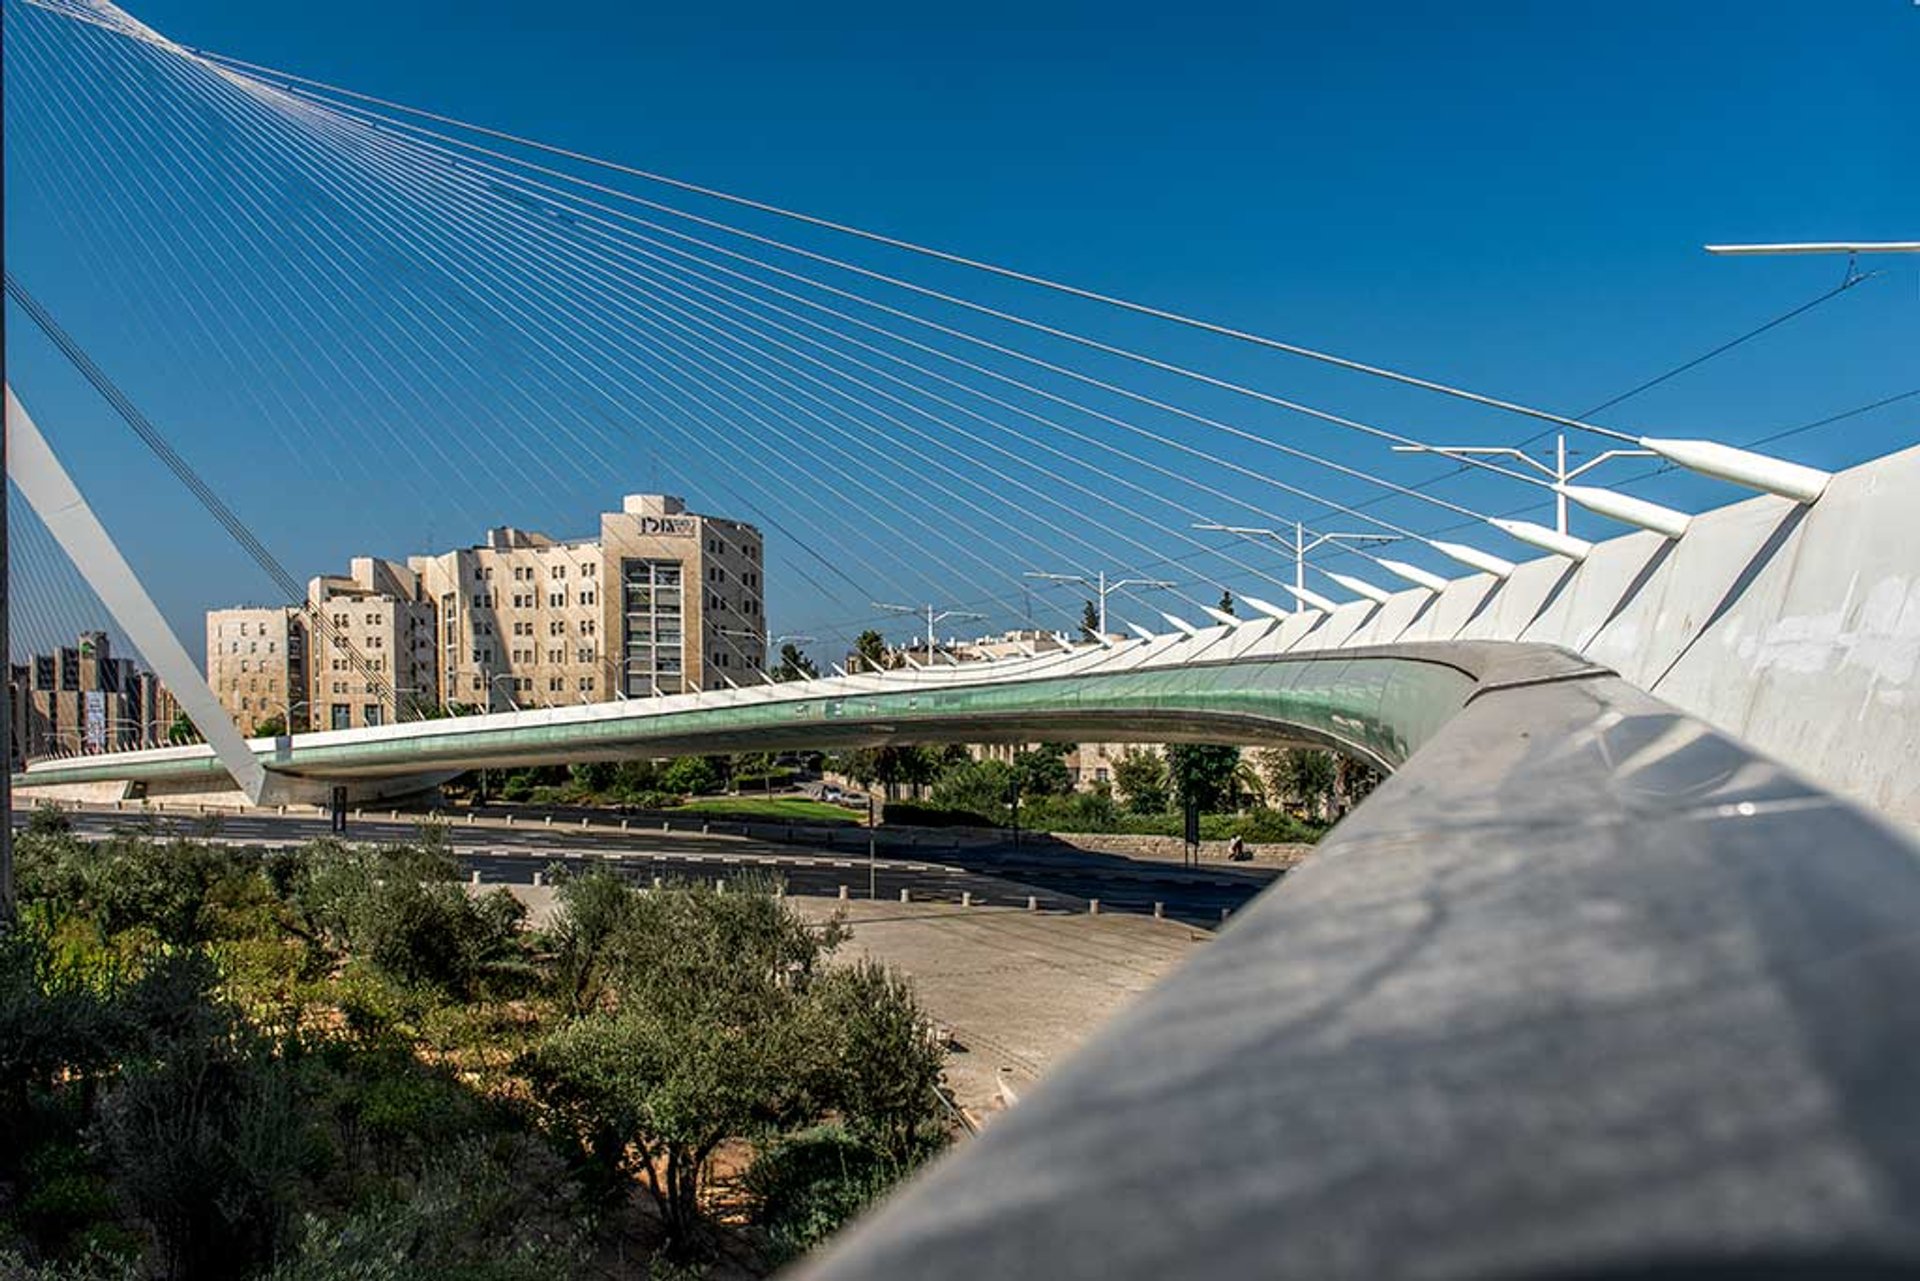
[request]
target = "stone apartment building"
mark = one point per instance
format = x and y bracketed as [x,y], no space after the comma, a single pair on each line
[81,698]
[257,665]
[373,646]
[663,601]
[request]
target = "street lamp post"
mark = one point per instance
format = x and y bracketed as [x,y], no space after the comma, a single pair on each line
[1101,586]
[931,615]
[1558,473]
[1298,541]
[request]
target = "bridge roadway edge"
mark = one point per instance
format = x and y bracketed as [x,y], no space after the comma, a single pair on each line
[1586,988]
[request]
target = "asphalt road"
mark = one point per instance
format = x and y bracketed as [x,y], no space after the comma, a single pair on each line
[1001,876]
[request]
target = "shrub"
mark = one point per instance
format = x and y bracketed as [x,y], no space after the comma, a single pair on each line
[489,1209]
[916,814]
[806,1187]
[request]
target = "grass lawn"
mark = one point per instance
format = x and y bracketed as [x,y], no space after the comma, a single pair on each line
[794,809]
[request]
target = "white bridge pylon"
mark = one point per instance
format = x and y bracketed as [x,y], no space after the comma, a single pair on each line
[61,507]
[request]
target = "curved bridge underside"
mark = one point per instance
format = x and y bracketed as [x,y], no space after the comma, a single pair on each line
[1378,704]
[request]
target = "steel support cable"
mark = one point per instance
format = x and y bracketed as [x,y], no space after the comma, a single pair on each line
[504,314]
[151,437]
[575,352]
[72,207]
[1047,366]
[1003,477]
[1308,495]
[402,129]
[305,85]
[830,565]
[192,163]
[989,515]
[652,274]
[323,624]
[191,274]
[814,582]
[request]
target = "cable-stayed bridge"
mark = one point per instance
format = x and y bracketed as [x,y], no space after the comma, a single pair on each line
[1640,847]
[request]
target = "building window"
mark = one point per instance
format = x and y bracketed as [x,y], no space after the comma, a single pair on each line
[586,684]
[340,715]
[652,622]
[588,597]
[372,711]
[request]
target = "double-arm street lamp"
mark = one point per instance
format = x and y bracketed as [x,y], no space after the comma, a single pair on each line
[933,615]
[1558,473]
[1101,587]
[1299,541]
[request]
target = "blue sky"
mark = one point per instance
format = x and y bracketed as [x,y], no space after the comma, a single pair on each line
[1507,196]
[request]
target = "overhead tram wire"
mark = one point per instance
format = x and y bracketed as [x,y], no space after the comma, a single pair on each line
[1694,362]
[1169,408]
[304,83]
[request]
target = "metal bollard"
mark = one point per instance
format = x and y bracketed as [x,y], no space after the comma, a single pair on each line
[623,824]
[475,878]
[394,816]
[906,895]
[843,893]
[657,882]
[469,818]
[1033,903]
[966,898]
[1159,911]
[509,820]
[536,878]
[1093,907]
[719,885]
[1223,914]
[703,829]
[548,820]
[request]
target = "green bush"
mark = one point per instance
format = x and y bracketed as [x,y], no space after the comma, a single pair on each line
[487,1209]
[806,1187]
[918,814]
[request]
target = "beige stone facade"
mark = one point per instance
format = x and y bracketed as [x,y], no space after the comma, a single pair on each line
[664,601]
[373,653]
[81,699]
[257,665]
